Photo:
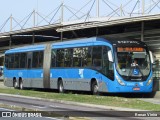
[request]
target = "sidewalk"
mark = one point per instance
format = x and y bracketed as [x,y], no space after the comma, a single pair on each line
[151,100]
[155,100]
[157,95]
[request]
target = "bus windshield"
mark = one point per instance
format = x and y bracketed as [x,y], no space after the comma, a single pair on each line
[133,63]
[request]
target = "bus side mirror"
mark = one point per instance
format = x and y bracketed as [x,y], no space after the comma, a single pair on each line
[110,57]
[151,57]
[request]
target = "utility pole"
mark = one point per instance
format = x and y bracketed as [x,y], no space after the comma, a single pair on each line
[34,18]
[11,22]
[62,18]
[121,7]
[34,24]
[97,13]
[62,11]
[143,7]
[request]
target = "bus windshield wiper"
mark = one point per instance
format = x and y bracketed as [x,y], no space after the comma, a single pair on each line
[129,75]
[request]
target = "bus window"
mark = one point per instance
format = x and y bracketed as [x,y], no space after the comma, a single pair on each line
[23,58]
[77,53]
[97,56]
[87,56]
[29,60]
[68,57]
[11,61]
[53,58]
[6,61]
[60,58]
[40,61]
[16,60]
[37,59]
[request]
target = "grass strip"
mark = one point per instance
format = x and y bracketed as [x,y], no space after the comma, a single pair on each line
[91,99]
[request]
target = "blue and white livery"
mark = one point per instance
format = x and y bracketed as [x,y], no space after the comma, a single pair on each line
[90,64]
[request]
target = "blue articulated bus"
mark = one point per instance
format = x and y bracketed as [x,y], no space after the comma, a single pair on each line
[90,64]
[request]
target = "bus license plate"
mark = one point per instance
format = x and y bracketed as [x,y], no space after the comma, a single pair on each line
[136,88]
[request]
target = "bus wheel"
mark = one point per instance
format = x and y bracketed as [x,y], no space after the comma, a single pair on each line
[95,88]
[21,85]
[15,84]
[60,86]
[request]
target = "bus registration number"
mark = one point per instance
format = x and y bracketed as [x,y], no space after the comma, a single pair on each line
[136,88]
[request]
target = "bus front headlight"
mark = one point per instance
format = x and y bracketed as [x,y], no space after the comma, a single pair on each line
[149,81]
[120,81]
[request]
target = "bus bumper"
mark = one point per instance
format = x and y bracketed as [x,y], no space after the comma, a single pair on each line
[133,89]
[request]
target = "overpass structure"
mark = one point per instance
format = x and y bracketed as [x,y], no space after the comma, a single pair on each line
[139,24]
[145,28]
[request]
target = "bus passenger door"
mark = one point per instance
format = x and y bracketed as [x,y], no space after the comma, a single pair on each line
[29,60]
[29,66]
[107,64]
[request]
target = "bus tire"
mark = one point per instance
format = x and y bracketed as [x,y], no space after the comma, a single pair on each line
[95,88]
[21,85]
[60,86]
[15,84]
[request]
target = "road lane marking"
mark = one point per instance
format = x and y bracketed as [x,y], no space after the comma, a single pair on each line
[41,107]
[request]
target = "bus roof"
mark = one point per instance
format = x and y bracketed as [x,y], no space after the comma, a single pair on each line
[110,40]
[69,43]
[80,42]
[26,49]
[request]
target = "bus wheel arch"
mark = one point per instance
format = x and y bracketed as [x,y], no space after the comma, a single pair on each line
[94,86]
[15,83]
[21,84]
[60,85]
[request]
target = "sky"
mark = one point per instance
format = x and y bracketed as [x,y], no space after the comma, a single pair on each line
[20,9]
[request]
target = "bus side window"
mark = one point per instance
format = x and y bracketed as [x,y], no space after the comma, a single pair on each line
[77,53]
[16,60]
[53,58]
[68,53]
[29,60]
[87,56]
[40,59]
[6,61]
[60,58]
[37,59]
[23,58]
[29,63]
[11,61]
[97,57]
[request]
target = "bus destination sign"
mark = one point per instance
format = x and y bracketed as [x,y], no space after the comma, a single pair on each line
[130,49]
